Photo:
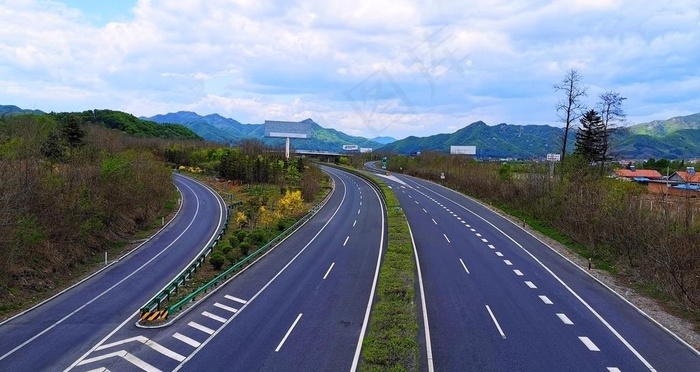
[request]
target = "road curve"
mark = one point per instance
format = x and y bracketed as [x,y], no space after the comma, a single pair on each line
[53,335]
[500,299]
[303,307]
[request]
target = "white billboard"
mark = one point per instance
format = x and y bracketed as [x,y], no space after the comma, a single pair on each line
[553,157]
[463,150]
[350,147]
[365,150]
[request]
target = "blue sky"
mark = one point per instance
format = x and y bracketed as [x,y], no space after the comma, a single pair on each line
[368,67]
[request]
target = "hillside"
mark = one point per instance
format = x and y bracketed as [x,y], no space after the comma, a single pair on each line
[661,128]
[217,128]
[11,109]
[536,141]
[132,125]
[499,141]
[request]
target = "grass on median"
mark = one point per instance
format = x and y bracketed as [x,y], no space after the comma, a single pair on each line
[391,342]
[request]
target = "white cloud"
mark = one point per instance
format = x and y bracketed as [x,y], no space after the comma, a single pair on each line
[440,64]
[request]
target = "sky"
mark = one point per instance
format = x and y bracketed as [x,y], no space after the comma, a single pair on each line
[366,67]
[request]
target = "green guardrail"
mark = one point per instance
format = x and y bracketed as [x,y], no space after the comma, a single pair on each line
[154,304]
[223,276]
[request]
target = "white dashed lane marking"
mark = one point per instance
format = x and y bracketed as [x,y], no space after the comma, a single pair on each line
[546,300]
[531,284]
[565,319]
[589,344]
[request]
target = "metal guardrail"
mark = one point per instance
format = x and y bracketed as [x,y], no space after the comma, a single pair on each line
[154,304]
[222,277]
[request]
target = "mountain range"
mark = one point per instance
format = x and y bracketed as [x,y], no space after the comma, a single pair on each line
[675,138]
[217,128]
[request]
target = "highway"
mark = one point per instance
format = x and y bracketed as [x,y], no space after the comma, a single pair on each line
[52,336]
[303,307]
[499,299]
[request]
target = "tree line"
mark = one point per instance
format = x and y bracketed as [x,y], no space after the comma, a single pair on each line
[68,191]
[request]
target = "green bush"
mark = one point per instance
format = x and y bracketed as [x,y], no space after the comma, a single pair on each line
[226,249]
[233,240]
[245,247]
[217,260]
[241,235]
[234,255]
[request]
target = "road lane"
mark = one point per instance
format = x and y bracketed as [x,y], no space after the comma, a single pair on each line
[600,332]
[65,327]
[302,307]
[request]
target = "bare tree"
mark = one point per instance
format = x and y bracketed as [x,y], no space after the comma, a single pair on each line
[570,108]
[610,106]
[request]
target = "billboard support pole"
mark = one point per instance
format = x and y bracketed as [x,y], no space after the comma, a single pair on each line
[286,149]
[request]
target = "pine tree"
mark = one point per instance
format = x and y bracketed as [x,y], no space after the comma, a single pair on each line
[591,138]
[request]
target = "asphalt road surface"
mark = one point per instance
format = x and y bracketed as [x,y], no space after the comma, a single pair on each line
[499,299]
[303,307]
[52,336]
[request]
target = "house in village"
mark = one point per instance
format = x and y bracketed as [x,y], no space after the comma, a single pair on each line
[681,183]
[637,175]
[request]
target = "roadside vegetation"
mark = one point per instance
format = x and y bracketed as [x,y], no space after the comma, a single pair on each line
[391,342]
[268,193]
[648,240]
[69,192]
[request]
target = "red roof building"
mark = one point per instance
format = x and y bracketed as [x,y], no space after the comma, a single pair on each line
[638,173]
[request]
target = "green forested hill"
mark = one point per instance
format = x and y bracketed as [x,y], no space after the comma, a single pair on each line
[132,125]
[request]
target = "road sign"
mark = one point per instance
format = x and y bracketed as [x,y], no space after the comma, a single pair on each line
[553,157]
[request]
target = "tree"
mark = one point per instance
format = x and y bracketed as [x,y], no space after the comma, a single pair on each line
[570,107]
[611,112]
[72,131]
[591,137]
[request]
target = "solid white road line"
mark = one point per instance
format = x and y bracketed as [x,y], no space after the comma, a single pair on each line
[498,326]
[200,327]
[232,298]
[499,254]
[128,357]
[214,316]
[227,308]
[507,262]
[189,341]
[589,344]
[329,271]
[346,240]
[546,300]
[435,222]
[518,272]
[464,266]
[288,333]
[446,238]
[530,284]
[424,307]
[152,344]
[565,319]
